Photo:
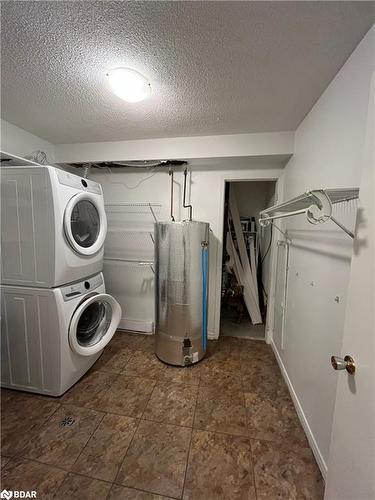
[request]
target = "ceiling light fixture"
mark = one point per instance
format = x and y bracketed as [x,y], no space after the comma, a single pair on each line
[128,84]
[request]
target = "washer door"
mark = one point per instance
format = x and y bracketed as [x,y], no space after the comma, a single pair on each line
[93,324]
[85,223]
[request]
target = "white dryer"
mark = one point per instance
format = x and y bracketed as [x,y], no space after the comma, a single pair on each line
[51,337]
[53,226]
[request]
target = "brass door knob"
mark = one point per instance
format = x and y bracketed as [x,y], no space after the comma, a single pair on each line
[347,363]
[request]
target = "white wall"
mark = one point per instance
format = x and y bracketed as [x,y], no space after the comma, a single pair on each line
[237,145]
[328,153]
[206,193]
[19,142]
[221,158]
[252,198]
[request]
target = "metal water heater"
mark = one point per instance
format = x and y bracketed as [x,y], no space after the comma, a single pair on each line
[181,285]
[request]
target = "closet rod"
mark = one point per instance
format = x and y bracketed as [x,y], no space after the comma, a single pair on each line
[280,216]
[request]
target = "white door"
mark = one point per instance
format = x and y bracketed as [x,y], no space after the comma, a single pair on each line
[93,324]
[85,223]
[351,464]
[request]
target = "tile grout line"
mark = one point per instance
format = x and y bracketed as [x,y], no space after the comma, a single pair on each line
[91,435]
[148,419]
[132,439]
[88,440]
[67,471]
[136,430]
[126,452]
[243,364]
[117,414]
[247,429]
[251,449]
[252,468]
[191,438]
[159,380]
[142,490]
[38,428]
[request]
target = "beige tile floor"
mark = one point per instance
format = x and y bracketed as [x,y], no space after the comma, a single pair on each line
[225,428]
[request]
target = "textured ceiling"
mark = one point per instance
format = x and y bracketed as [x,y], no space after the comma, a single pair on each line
[215,67]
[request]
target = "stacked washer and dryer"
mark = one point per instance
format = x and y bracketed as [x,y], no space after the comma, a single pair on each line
[56,316]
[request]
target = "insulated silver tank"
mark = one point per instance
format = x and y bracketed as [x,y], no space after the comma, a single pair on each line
[181,286]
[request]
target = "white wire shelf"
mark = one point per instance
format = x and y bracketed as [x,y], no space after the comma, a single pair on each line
[141,208]
[341,195]
[113,209]
[305,200]
[125,230]
[130,240]
[131,261]
[316,204]
[124,204]
[129,244]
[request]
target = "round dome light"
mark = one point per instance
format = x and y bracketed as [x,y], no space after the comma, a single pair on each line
[128,84]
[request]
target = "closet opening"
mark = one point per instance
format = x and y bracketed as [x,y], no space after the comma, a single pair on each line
[246,263]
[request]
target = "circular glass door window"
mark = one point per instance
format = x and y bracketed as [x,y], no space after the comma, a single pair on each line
[85,223]
[93,323]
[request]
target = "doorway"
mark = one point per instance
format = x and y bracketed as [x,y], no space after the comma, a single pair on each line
[246,263]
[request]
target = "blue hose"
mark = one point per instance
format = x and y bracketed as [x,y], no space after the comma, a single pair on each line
[204,296]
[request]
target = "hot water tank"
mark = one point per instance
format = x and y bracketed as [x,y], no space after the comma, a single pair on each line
[181,287]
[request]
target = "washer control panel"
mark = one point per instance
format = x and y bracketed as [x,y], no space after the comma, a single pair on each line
[77,182]
[74,290]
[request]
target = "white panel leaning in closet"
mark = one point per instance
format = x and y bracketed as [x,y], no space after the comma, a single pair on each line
[245,264]
[128,261]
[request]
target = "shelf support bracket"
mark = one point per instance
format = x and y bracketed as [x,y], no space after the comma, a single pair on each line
[347,231]
[152,212]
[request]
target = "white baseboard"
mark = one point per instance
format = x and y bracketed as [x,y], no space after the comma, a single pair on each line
[269,335]
[301,415]
[136,325]
[212,336]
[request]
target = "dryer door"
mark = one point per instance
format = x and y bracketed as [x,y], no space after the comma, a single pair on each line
[85,223]
[93,324]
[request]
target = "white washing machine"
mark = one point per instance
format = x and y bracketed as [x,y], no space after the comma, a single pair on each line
[53,226]
[51,337]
